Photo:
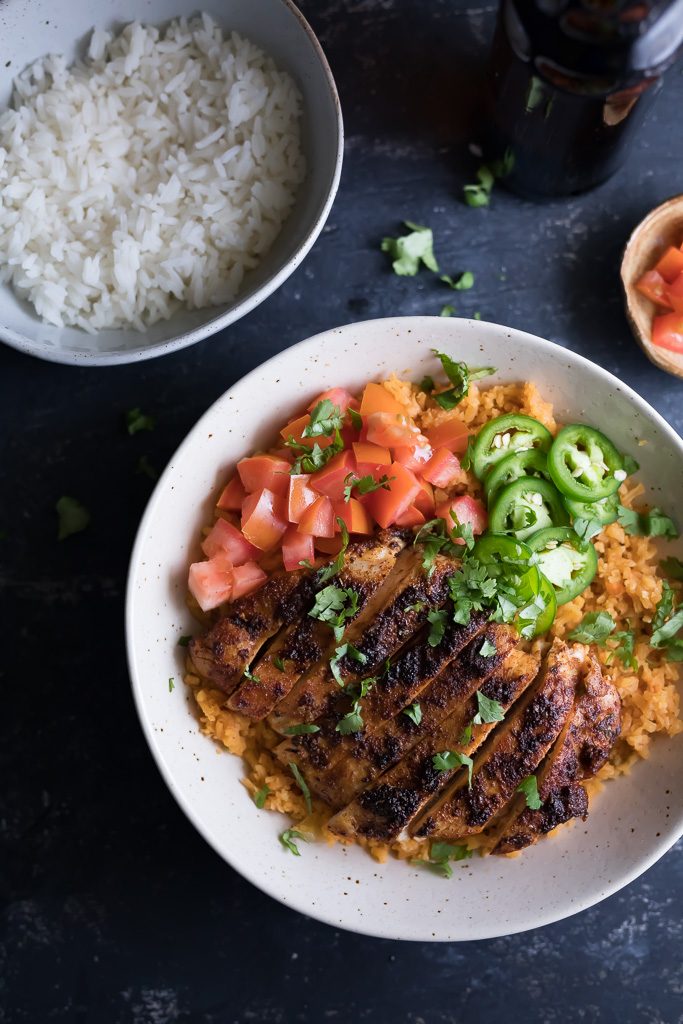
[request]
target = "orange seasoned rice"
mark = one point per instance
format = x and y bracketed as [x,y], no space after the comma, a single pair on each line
[627,585]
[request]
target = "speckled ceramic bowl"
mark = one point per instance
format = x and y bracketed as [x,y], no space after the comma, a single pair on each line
[31,28]
[633,821]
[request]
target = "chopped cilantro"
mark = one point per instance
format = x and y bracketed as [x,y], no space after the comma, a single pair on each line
[476,316]
[414,713]
[427,382]
[136,420]
[73,517]
[667,624]
[326,572]
[586,528]
[409,251]
[184,641]
[260,796]
[487,649]
[624,651]
[345,650]
[673,567]
[308,460]
[301,783]
[417,607]
[279,663]
[466,460]
[304,729]
[480,194]
[529,787]
[335,605]
[287,839]
[447,760]
[353,720]
[446,310]
[646,524]
[460,375]
[356,418]
[448,851]
[171,684]
[326,418]
[465,736]
[365,484]
[437,620]
[594,628]
[248,674]
[462,284]
[488,710]
[145,468]
[436,538]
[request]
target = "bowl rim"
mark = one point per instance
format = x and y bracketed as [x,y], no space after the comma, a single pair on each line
[240,309]
[294,901]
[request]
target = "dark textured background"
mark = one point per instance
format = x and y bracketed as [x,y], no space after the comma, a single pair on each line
[114,910]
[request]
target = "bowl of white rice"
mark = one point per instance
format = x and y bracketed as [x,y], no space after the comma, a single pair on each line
[162,169]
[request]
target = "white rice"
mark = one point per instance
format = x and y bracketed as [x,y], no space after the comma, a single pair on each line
[153,175]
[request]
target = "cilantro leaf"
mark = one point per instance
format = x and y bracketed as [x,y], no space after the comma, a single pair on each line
[304,729]
[437,620]
[466,460]
[407,252]
[73,517]
[351,722]
[287,839]
[488,710]
[356,418]
[673,567]
[624,651]
[171,684]
[326,418]
[279,663]
[309,460]
[414,713]
[439,867]
[646,524]
[301,783]
[460,375]
[365,484]
[334,605]
[184,641]
[427,382]
[447,760]
[529,787]
[465,736]
[462,284]
[440,852]
[435,537]
[487,649]
[145,468]
[345,650]
[594,628]
[587,528]
[447,310]
[248,674]
[666,625]
[417,607]
[480,194]
[260,797]
[136,421]
[326,572]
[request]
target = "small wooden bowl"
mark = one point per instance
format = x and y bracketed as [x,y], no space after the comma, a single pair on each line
[662,227]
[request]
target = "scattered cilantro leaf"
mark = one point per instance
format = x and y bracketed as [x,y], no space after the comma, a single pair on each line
[465,736]
[171,684]
[441,868]
[417,607]
[356,418]
[365,484]
[248,674]
[480,194]
[462,283]
[326,418]
[301,783]
[345,650]
[260,797]
[145,468]
[435,537]
[334,605]
[308,460]
[303,729]
[427,382]
[624,651]
[440,852]
[279,663]
[488,710]
[351,722]
[466,460]
[73,517]
[447,310]
[184,641]
[136,421]
[529,787]
[447,760]
[667,624]
[476,316]
[414,713]
[460,375]
[407,252]
[587,528]
[326,572]
[437,620]
[673,567]
[646,524]
[594,628]
[287,839]
[487,649]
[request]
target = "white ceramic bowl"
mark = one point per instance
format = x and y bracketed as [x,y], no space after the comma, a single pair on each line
[29,30]
[633,821]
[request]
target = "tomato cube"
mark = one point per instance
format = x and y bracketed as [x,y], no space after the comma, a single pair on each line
[674,294]
[667,332]
[232,496]
[653,286]
[247,578]
[389,430]
[300,496]
[296,548]
[329,545]
[386,505]
[414,456]
[261,471]
[376,398]
[450,433]
[264,519]
[228,540]
[295,430]
[466,510]
[670,265]
[318,519]
[330,479]
[211,582]
[425,499]
[443,469]
[370,457]
[354,515]
[338,396]
[411,517]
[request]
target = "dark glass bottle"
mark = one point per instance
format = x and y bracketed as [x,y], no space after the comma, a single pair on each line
[570,83]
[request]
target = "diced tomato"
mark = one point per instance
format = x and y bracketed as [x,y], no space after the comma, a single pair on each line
[467,510]
[370,457]
[389,430]
[386,505]
[211,582]
[318,519]
[232,496]
[425,499]
[227,539]
[330,479]
[451,433]
[354,515]
[247,578]
[329,545]
[667,332]
[670,265]
[264,519]
[674,294]
[653,286]
[267,471]
[376,398]
[411,517]
[296,548]
[338,396]
[443,469]
[414,456]
[296,429]
[301,495]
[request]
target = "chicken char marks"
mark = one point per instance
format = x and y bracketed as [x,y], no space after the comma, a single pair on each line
[580,751]
[367,563]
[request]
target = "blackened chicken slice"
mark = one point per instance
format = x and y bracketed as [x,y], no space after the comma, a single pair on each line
[580,751]
[516,749]
[367,563]
[229,647]
[395,799]
[337,766]
[390,618]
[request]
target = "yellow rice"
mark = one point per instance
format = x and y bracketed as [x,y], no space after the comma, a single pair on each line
[627,585]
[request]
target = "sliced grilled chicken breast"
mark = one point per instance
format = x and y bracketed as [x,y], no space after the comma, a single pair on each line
[389,805]
[516,749]
[223,653]
[580,751]
[390,618]
[367,563]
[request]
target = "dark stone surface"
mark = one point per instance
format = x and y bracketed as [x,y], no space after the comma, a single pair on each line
[114,909]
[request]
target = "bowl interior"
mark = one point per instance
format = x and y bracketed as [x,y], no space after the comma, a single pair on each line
[633,821]
[31,30]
